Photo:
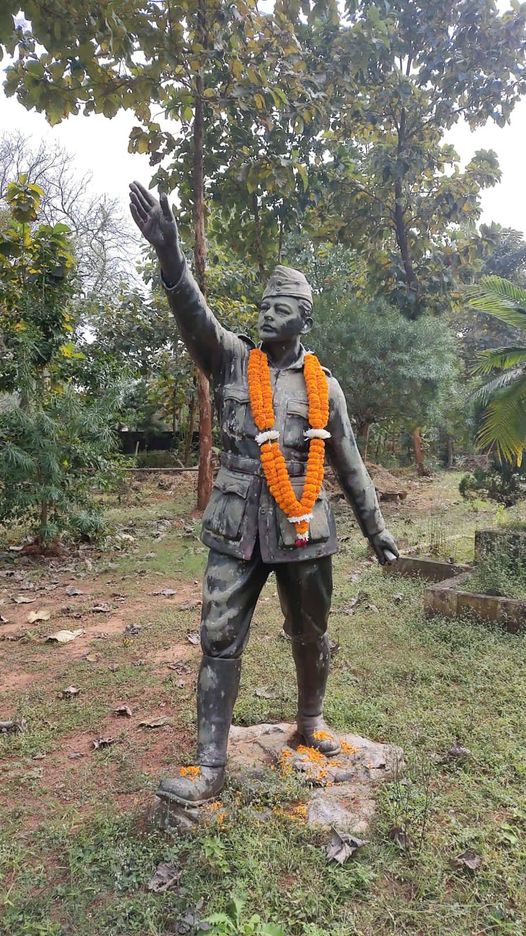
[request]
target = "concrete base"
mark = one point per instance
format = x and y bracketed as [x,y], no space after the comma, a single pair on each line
[449,600]
[432,570]
[340,791]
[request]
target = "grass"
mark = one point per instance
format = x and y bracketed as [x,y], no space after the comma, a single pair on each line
[76,850]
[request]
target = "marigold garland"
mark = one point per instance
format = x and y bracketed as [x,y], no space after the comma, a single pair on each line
[272,458]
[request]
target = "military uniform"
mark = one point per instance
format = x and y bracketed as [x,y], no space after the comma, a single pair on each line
[248,534]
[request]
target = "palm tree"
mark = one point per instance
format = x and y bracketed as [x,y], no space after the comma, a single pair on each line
[504,395]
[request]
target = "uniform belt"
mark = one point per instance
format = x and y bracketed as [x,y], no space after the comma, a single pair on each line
[252,466]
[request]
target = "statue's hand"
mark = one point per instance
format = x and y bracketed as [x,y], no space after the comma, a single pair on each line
[156,222]
[384,547]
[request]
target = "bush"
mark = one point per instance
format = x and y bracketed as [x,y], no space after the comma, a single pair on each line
[53,455]
[501,482]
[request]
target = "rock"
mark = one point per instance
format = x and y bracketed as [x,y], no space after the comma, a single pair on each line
[341,791]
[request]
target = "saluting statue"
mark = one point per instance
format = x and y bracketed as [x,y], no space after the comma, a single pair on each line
[279,413]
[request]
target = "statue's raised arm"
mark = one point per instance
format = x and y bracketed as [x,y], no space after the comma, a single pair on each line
[204,336]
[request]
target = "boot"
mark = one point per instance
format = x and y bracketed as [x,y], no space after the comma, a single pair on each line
[217,689]
[312,668]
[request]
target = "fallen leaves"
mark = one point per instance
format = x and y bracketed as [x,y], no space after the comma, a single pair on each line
[63,636]
[123,711]
[99,743]
[343,846]
[194,639]
[166,877]
[101,608]
[43,614]
[72,590]
[70,692]
[263,692]
[166,592]
[469,859]
[155,723]
[14,726]
[23,599]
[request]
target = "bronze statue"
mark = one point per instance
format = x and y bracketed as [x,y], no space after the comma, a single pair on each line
[249,535]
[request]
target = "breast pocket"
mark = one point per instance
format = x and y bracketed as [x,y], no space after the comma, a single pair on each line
[236,417]
[226,509]
[296,424]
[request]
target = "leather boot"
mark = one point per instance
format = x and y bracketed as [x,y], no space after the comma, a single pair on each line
[217,689]
[312,668]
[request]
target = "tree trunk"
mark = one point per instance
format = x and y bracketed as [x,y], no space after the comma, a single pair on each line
[418,450]
[259,242]
[365,430]
[402,239]
[204,480]
[190,429]
[450,451]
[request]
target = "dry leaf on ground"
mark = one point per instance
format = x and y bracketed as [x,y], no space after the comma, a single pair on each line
[43,614]
[23,599]
[166,877]
[468,859]
[194,639]
[12,727]
[63,636]
[123,711]
[155,723]
[103,742]
[72,590]
[342,846]
[70,692]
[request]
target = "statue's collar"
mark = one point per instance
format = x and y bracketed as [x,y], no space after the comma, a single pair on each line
[296,365]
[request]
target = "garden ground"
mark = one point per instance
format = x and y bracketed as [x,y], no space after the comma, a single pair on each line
[76,846]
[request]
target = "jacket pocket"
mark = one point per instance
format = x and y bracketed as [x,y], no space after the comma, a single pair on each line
[319,529]
[236,416]
[227,506]
[296,423]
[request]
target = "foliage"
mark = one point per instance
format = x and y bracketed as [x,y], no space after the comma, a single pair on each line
[501,482]
[390,368]
[55,443]
[233,922]
[403,73]
[499,573]
[102,239]
[52,455]
[504,424]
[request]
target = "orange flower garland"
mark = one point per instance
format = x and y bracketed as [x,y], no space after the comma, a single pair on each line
[272,458]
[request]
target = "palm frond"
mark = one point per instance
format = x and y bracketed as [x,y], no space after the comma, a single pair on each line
[504,425]
[498,297]
[499,359]
[500,382]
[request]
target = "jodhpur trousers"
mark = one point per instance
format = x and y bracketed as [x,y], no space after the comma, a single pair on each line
[232,587]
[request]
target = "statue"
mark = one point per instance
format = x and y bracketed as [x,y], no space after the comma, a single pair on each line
[278,411]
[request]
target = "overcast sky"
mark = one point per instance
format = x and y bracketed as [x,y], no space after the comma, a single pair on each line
[100,146]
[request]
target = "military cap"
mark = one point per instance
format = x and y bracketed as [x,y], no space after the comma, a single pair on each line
[285,281]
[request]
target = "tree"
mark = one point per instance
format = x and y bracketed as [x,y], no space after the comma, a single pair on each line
[103,240]
[404,72]
[54,442]
[204,62]
[504,423]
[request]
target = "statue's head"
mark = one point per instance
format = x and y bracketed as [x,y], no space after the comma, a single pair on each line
[286,308]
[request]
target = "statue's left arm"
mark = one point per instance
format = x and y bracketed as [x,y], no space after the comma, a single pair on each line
[354,478]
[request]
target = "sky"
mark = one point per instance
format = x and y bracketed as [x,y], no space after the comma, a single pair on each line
[100,146]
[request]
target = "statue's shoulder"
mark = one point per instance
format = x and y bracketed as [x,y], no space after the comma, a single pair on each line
[326,370]
[246,340]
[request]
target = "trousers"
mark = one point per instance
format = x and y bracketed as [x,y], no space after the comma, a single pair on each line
[232,586]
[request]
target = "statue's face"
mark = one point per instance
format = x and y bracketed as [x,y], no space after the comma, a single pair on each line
[280,318]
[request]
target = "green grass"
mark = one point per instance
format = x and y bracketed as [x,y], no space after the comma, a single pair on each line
[398,677]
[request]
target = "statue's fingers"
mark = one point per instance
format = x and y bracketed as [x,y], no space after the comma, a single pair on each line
[136,216]
[147,197]
[142,201]
[138,213]
[165,206]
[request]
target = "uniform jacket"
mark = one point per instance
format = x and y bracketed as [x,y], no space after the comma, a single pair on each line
[241,508]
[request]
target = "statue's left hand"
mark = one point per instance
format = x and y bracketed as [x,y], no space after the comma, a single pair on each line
[384,547]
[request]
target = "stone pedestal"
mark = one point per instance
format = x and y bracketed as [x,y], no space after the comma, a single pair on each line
[339,791]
